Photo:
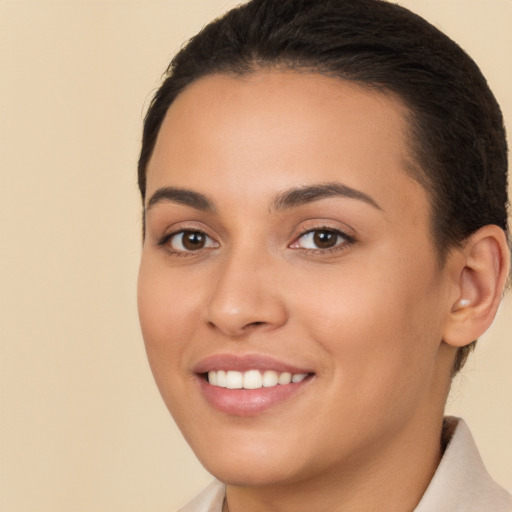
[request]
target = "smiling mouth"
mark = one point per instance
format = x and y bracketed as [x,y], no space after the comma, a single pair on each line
[250,386]
[252,379]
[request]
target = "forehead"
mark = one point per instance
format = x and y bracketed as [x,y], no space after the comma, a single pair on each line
[226,133]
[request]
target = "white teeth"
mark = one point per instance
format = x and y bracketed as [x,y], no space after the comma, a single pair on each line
[270,379]
[234,380]
[252,379]
[285,378]
[221,379]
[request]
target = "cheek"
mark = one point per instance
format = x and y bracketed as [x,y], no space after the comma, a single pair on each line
[166,317]
[166,323]
[375,327]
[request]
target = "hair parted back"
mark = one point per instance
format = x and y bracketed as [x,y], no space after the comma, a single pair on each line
[456,130]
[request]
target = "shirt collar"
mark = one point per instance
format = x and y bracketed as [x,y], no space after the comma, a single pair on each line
[461,482]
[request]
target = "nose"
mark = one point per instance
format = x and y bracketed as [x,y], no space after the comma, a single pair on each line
[246,297]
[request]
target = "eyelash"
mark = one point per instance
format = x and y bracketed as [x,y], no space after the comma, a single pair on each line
[347,241]
[166,239]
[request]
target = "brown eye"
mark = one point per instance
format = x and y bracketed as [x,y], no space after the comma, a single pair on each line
[325,239]
[321,239]
[187,241]
[193,240]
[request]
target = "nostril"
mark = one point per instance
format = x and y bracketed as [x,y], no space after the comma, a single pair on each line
[253,325]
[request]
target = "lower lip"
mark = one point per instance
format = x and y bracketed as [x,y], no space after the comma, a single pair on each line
[249,402]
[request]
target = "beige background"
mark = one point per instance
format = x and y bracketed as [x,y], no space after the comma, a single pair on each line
[82,426]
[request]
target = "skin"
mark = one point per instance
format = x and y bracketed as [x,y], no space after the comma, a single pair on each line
[367,318]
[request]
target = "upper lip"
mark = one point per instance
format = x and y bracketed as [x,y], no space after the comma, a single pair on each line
[246,362]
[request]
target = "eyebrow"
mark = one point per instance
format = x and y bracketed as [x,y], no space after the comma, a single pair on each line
[303,195]
[291,198]
[181,196]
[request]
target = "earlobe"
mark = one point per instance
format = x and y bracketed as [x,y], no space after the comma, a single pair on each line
[481,282]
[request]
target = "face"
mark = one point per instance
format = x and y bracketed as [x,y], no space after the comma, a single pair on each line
[290,295]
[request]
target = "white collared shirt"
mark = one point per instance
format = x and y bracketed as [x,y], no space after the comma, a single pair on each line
[460,484]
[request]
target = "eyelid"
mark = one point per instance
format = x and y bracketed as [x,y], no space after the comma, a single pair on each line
[347,239]
[165,239]
[308,227]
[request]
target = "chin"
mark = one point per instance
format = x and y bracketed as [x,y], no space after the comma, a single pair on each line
[249,461]
[254,473]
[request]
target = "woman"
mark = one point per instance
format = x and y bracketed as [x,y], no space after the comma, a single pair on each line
[324,189]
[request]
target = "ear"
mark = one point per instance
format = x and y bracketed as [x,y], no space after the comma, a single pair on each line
[481,278]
